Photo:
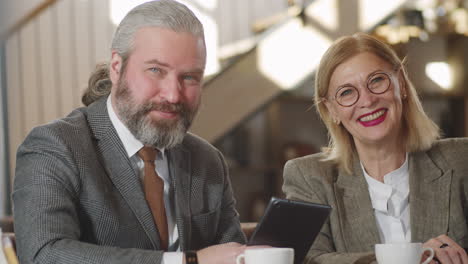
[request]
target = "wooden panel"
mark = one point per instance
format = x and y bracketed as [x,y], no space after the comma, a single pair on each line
[110,32]
[14,98]
[66,60]
[243,20]
[260,10]
[4,178]
[277,6]
[225,29]
[102,30]
[82,53]
[48,67]
[30,77]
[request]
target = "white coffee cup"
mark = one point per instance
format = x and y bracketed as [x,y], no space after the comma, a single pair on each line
[266,256]
[402,253]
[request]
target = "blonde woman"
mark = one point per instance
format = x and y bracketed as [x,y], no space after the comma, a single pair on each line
[386,174]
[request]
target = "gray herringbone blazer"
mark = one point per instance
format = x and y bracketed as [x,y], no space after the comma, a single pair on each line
[77,198]
[438,201]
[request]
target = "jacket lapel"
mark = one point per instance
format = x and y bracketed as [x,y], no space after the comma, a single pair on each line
[430,180]
[119,169]
[355,211]
[179,166]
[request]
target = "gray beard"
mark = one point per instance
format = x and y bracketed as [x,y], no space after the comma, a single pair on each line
[162,134]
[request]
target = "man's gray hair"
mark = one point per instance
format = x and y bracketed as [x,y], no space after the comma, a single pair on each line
[167,14]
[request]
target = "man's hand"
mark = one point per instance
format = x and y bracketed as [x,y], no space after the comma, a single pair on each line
[220,254]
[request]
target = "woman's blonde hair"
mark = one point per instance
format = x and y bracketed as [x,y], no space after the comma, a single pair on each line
[419,131]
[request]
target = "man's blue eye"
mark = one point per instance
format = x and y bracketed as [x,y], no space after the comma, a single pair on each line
[191,78]
[154,69]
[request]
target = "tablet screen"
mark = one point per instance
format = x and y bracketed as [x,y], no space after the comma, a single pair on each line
[288,223]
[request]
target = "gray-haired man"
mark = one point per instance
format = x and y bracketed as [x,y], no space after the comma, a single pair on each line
[84,190]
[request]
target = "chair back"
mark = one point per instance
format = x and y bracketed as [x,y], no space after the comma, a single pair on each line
[12,238]
[6,224]
[9,249]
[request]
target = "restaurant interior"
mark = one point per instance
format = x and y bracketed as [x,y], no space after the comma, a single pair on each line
[258,95]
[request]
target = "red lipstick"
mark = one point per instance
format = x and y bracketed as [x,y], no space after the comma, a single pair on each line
[373,122]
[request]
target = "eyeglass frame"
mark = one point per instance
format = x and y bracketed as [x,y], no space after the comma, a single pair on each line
[390,78]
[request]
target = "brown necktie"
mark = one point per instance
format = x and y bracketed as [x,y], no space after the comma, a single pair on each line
[154,193]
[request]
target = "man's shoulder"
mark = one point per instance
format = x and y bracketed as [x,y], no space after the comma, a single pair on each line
[196,143]
[71,127]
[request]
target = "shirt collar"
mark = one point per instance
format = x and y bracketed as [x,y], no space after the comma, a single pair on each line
[393,178]
[395,182]
[131,144]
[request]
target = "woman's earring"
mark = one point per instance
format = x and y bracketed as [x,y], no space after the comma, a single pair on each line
[336,121]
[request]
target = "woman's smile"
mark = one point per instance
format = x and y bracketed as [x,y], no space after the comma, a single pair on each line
[374,118]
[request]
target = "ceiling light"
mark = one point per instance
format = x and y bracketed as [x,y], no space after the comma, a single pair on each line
[441,74]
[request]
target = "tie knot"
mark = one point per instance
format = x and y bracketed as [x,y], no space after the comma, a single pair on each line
[147,154]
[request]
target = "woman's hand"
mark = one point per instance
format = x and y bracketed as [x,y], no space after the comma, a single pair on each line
[446,251]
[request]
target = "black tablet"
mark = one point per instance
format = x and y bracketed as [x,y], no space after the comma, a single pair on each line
[293,224]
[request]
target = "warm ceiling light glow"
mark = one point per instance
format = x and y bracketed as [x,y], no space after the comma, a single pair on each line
[399,34]
[460,20]
[372,12]
[324,11]
[440,73]
[290,54]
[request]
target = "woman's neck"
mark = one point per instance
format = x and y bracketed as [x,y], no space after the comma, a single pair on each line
[379,160]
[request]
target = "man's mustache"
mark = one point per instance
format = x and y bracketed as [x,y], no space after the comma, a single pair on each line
[165,107]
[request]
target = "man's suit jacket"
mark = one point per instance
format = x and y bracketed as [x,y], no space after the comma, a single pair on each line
[438,201]
[77,198]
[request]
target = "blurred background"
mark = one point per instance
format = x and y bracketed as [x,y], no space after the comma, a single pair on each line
[262,54]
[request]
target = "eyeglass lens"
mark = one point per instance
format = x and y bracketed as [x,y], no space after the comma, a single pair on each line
[348,95]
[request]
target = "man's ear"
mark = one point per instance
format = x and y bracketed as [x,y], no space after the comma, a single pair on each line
[115,67]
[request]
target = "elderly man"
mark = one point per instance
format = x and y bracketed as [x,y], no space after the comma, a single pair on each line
[121,180]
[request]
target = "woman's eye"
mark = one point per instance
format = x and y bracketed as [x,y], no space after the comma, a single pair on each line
[346,92]
[379,83]
[377,79]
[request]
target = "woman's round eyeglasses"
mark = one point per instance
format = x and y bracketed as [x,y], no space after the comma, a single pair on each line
[378,83]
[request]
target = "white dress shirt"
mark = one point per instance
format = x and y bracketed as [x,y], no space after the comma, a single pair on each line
[132,146]
[391,204]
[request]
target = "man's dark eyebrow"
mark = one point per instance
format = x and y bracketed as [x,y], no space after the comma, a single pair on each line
[155,61]
[196,71]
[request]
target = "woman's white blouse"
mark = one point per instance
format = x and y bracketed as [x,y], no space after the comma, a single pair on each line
[391,204]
